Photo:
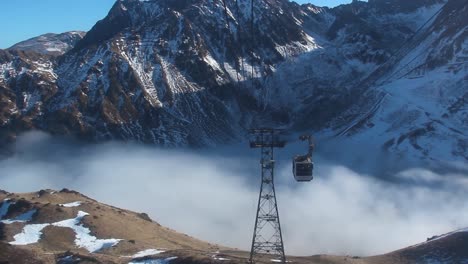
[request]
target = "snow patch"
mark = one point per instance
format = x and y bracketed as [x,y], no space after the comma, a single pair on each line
[30,235]
[46,68]
[54,49]
[220,259]
[215,257]
[212,62]
[147,252]
[73,204]
[83,237]
[153,261]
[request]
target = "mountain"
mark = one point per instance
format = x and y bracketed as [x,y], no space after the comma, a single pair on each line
[72,226]
[68,227]
[177,73]
[52,44]
[420,93]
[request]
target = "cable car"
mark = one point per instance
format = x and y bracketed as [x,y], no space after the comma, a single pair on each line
[303,165]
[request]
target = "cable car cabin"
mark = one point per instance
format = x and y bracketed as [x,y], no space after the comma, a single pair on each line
[302,164]
[302,168]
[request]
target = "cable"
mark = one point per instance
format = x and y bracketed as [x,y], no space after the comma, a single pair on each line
[240,69]
[252,40]
[407,43]
[239,36]
[403,46]
[226,15]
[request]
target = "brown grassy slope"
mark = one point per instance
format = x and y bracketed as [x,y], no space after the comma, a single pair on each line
[138,233]
[10,254]
[136,230]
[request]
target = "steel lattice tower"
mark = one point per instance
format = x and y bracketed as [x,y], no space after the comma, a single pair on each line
[267,237]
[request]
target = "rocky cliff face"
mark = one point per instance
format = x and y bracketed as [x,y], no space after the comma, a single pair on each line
[193,73]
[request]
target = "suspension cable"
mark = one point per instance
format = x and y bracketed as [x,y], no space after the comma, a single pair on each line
[252,40]
[239,37]
[226,16]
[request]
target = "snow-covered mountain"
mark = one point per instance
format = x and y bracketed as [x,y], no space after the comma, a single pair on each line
[52,44]
[393,73]
[420,93]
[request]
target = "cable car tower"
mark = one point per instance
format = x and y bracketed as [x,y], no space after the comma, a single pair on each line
[267,237]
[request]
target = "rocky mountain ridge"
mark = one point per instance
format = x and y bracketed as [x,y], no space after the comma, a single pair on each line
[51,44]
[177,73]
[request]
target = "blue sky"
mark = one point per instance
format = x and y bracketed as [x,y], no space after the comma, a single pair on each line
[24,19]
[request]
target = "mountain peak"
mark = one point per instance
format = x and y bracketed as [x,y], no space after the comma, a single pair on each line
[51,43]
[183,72]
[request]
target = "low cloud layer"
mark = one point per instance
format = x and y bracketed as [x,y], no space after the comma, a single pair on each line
[213,196]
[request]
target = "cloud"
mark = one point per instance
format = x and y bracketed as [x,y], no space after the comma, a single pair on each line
[213,194]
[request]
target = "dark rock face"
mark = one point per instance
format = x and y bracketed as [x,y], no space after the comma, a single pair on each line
[105,29]
[73,258]
[182,73]
[18,208]
[2,231]
[145,217]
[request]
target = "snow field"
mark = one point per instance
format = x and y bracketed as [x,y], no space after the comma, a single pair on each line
[32,233]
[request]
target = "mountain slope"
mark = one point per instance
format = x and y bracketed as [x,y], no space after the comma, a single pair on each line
[68,227]
[51,44]
[67,223]
[420,98]
[178,73]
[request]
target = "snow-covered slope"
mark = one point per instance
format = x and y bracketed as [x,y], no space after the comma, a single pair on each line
[52,44]
[190,73]
[420,102]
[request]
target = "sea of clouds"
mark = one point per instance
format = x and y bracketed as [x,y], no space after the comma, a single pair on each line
[212,194]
